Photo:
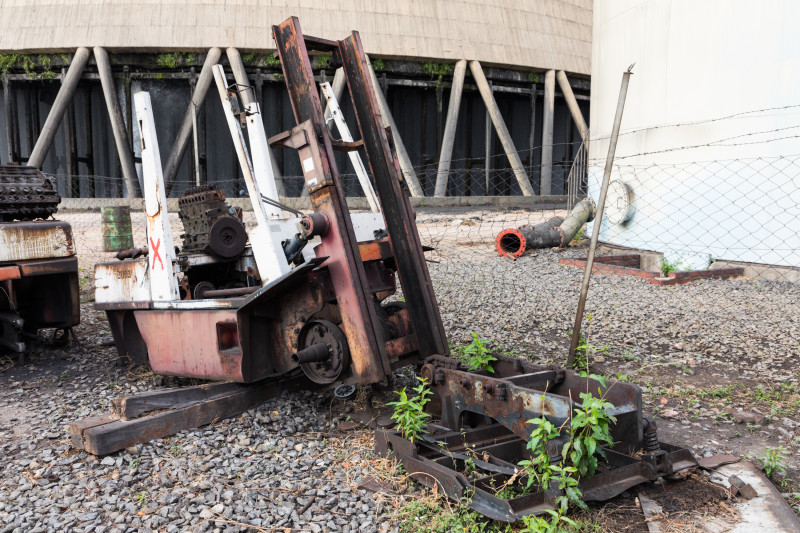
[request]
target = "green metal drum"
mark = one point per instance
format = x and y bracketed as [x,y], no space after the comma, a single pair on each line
[116,224]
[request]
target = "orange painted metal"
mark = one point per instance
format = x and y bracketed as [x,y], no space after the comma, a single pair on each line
[9,272]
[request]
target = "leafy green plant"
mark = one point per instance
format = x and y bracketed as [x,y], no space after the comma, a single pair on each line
[438,71]
[378,63]
[409,413]
[321,61]
[168,60]
[773,461]
[477,356]
[667,267]
[248,58]
[541,524]
[272,61]
[533,77]
[590,431]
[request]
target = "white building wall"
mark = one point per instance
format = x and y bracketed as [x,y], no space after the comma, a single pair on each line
[726,187]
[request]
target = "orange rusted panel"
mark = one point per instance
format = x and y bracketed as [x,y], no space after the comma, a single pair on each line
[9,272]
[184,343]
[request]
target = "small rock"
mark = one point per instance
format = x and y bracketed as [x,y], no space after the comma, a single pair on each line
[747,417]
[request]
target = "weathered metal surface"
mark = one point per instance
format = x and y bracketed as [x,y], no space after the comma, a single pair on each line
[186,344]
[115,223]
[9,272]
[489,415]
[398,215]
[26,194]
[20,241]
[122,281]
[312,141]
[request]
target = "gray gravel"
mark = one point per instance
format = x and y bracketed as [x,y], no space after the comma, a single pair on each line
[278,466]
[283,464]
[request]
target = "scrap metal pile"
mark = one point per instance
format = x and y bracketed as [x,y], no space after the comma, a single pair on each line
[38,267]
[275,322]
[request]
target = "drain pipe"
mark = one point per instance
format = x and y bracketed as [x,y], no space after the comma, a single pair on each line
[556,232]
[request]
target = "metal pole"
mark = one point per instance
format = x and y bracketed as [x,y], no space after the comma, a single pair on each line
[488,140]
[388,120]
[250,97]
[500,127]
[118,127]
[450,128]
[185,133]
[63,99]
[547,132]
[572,103]
[587,274]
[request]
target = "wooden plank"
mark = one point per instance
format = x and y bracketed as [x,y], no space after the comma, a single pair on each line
[78,427]
[115,435]
[130,407]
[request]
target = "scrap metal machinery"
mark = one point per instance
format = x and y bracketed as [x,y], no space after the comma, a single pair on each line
[328,316]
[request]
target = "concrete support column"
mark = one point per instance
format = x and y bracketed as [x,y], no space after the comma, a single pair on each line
[117,122]
[185,133]
[500,127]
[547,132]
[402,154]
[450,128]
[572,103]
[64,97]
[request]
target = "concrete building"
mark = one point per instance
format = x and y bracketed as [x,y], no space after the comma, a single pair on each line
[709,155]
[161,47]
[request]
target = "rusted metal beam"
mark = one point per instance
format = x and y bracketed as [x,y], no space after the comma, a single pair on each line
[312,140]
[397,212]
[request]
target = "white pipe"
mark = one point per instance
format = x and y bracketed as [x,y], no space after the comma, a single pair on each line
[268,176]
[388,120]
[547,132]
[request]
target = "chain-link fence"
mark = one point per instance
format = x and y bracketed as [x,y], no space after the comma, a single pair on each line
[701,255]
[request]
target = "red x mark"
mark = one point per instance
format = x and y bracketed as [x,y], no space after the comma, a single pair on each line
[154,246]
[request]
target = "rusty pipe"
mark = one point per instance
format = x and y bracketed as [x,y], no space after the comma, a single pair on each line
[226,293]
[316,353]
[515,242]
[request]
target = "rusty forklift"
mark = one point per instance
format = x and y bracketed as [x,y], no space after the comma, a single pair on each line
[329,321]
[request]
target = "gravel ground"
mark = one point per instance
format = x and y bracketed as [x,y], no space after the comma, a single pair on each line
[285,465]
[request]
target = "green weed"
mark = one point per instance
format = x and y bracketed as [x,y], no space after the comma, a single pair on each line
[409,413]
[773,461]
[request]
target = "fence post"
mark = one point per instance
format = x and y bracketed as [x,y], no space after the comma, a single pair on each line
[184,134]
